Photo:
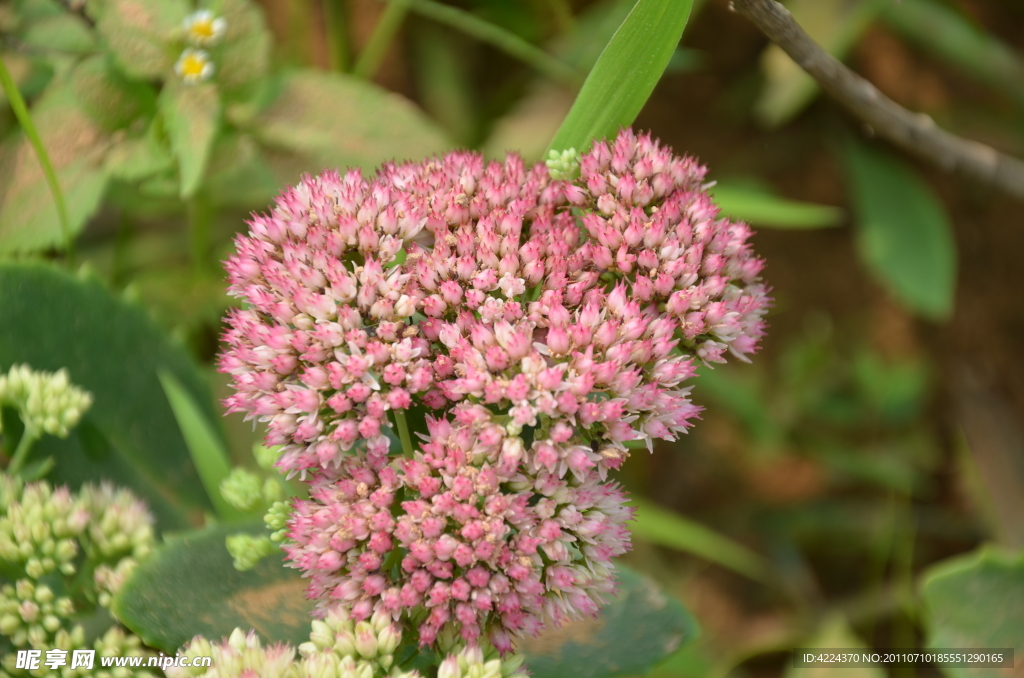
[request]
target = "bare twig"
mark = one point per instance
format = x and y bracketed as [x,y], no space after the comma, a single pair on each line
[915,132]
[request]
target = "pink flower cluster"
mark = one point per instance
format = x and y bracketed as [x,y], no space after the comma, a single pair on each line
[543,328]
[480,544]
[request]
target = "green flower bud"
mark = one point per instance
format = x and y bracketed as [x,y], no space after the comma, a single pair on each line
[272,490]
[564,166]
[242,489]
[266,457]
[46,401]
[366,640]
[248,550]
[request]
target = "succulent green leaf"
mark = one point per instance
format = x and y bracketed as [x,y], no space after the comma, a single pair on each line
[625,74]
[903,232]
[112,349]
[76,146]
[763,208]
[107,97]
[976,601]
[665,527]
[205,444]
[243,54]
[190,586]
[639,627]
[328,120]
[191,115]
[141,34]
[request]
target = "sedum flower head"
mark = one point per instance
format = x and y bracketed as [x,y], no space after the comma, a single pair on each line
[46,401]
[543,345]
[247,550]
[203,29]
[194,66]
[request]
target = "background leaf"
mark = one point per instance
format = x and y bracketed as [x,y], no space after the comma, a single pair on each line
[244,53]
[904,234]
[334,121]
[64,32]
[76,146]
[112,349]
[637,629]
[667,528]
[625,74]
[189,587]
[761,207]
[976,601]
[139,33]
[106,96]
[191,114]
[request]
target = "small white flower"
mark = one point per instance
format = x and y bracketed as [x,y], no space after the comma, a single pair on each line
[194,66]
[203,29]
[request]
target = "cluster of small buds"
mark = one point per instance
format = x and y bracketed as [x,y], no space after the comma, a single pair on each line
[39,529]
[202,30]
[472,662]
[564,166]
[546,319]
[248,550]
[46,533]
[246,491]
[119,524]
[46,401]
[30,613]
[338,647]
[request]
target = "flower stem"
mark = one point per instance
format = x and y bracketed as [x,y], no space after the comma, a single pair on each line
[21,453]
[403,432]
[377,46]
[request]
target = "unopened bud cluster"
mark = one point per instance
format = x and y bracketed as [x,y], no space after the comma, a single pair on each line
[338,647]
[46,401]
[47,536]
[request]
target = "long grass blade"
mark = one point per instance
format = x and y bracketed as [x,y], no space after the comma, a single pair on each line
[625,74]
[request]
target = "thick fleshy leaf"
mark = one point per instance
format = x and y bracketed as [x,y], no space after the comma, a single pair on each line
[190,587]
[191,114]
[836,25]
[335,121]
[243,54]
[640,626]
[903,232]
[761,207]
[140,33]
[113,349]
[625,74]
[976,602]
[76,146]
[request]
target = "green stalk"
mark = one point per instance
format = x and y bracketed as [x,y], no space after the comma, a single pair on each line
[335,20]
[403,432]
[21,453]
[25,120]
[383,33]
[505,40]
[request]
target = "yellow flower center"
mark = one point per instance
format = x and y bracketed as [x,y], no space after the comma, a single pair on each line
[192,66]
[202,29]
